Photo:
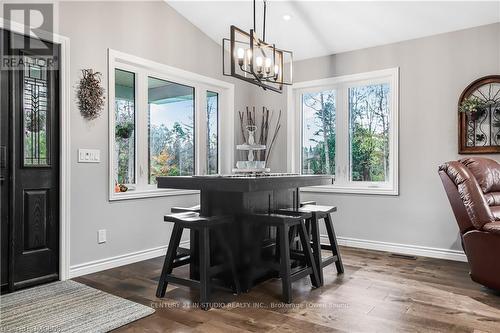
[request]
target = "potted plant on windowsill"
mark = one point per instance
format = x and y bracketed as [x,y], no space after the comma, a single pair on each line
[124,130]
[473,107]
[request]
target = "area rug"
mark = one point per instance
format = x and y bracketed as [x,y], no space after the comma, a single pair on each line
[66,306]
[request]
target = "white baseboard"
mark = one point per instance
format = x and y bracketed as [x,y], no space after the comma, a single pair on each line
[413,250]
[130,258]
[125,259]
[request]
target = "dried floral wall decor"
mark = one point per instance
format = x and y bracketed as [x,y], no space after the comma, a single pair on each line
[90,94]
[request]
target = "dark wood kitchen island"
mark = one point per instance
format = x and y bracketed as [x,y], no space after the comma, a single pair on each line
[239,195]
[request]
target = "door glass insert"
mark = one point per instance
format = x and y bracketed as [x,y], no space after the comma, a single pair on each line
[35,115]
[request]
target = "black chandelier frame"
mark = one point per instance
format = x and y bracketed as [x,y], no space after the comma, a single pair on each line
[262,78]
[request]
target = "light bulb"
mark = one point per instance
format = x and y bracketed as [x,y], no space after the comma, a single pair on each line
[240,53]
[258,61]
[268,62]
[249,55]
[276,72]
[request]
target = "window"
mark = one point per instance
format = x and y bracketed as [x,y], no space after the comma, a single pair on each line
[347,127]
[212,131]
[318,132]
[165,122]
[369,133]
[124,152]
[171,129]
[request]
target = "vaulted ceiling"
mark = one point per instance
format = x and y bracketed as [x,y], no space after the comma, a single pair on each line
[315,28]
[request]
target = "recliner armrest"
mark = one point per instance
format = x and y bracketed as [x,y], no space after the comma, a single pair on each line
[493,227]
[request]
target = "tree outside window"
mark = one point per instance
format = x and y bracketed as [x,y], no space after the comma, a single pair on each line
[318,133]
[369,132]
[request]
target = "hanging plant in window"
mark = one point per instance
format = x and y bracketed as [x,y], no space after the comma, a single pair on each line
[124,130]
[90,94]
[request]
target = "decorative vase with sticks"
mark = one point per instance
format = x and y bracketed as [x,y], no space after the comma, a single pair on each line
[266,140]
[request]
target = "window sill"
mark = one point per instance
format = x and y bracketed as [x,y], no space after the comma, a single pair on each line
[153,193]
[352,190]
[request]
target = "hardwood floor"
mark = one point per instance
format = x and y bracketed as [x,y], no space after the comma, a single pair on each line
[378,293]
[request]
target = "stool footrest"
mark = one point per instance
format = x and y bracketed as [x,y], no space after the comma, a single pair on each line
[183,281]
[330,260]
[301,273]
[178,262]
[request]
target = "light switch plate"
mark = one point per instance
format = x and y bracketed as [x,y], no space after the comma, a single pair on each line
[89,156]
[101,236]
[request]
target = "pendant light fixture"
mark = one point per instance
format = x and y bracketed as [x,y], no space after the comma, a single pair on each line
[254,60]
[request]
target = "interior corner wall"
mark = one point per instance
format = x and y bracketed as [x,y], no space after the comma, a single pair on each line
[155,31]
[433,72]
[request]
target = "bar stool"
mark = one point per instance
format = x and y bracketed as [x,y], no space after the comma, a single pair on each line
[283,223]
[318,213]
[183,255]
[204,225]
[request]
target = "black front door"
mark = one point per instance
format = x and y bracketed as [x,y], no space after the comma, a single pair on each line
[30,189]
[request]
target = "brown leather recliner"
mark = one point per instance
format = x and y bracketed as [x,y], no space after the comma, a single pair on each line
[473,188]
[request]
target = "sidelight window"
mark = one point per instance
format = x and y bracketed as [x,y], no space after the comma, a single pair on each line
[124,153]
[212,145]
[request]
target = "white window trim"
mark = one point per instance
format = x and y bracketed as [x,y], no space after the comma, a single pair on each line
[120,60]
[341,84]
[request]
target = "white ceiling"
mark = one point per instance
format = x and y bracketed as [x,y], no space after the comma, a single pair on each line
[319,28]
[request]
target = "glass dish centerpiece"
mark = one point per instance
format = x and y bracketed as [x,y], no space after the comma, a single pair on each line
[250,165]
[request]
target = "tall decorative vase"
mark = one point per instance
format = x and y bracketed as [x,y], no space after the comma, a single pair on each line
[251,134]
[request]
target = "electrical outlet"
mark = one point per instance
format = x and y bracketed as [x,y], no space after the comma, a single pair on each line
[89,156]
[101,236]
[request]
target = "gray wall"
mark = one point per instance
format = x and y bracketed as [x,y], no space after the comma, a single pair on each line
[433,72]
[154,31]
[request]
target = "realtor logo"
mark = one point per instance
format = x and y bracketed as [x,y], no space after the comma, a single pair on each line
[37,20]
